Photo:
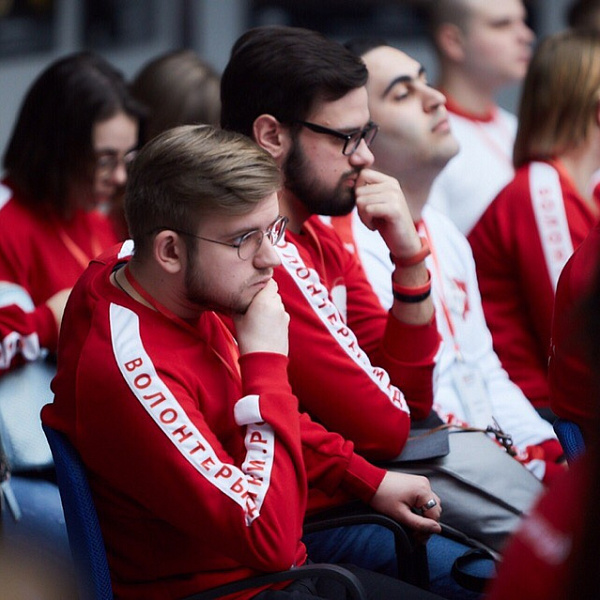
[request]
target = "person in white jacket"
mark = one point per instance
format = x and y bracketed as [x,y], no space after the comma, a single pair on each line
[414,144]
[483,48]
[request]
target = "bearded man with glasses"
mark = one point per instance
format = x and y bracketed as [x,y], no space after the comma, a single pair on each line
[358,369]
[198,458]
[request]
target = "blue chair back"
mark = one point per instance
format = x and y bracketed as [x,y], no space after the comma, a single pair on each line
[83,528]
[89,553]
[570,438]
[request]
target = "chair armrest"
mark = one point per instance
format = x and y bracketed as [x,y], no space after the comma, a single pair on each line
[345,577]
[411,556]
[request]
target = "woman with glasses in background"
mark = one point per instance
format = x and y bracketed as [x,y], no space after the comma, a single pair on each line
[65,164]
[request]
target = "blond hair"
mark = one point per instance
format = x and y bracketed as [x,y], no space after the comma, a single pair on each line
[192,171]
[560,96]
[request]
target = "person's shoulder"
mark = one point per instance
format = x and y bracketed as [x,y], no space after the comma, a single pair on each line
[507,116]
[436,221]
[20,227]
[12,210]
[106,262]
[514,191]
[118,252]
[93,289]
[326,233]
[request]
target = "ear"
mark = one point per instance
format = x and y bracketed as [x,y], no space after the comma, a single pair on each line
[271,135]
[169,251]
[451,41]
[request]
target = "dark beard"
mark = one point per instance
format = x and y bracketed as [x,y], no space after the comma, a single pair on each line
[338,201]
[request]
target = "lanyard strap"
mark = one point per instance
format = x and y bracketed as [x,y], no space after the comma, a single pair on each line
[75,250]
[492,143]
[422,226]
[492,117]
[231,346]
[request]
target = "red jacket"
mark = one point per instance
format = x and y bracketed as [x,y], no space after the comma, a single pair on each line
[198,465]
[514,274]
[42,255]
[537,561]
[572,380]
[357,369]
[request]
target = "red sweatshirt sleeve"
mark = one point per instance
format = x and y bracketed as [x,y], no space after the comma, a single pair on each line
[182,448]
[338,381]
[176,448]
[23,334]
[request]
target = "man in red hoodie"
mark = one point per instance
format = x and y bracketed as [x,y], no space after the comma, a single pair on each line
[198,459]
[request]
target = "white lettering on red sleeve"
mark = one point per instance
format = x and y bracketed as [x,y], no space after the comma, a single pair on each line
[317,297]
[160,403]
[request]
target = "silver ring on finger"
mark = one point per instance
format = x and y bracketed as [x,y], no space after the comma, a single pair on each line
[429,505]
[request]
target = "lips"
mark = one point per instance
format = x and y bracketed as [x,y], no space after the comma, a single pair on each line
[441,126]
[262,282]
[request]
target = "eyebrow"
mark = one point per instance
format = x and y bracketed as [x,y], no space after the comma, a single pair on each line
[247,229]
[401,79]
[108,151]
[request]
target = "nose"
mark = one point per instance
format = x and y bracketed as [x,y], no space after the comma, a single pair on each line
[362,156]
[525,33]
[119,175]
[432,98]
[266,256]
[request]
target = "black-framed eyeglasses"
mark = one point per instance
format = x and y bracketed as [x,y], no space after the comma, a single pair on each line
[249,243]
[352,139]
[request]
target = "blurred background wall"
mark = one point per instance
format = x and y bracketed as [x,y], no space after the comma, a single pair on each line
[129,32]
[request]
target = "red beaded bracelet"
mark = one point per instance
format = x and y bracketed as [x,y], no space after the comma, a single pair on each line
[412,294]
[415,259]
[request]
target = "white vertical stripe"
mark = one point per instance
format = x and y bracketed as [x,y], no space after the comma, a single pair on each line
[247,486]
[317,296]
[551,217]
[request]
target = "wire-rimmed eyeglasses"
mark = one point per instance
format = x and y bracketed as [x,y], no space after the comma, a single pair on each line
[352,139]
[249,243]
[107,161]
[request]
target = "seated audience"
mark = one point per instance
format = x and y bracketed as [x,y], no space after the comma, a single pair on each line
[76,132]
[414,144]
[200,466]
[66,161]
[176,88]
[355,367]
[527,234]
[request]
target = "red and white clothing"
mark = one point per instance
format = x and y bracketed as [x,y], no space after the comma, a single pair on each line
[198,459]
[471,387]
[572,381]
[538,560]
[520,246]
[43,255]
[353,366]
[483,166]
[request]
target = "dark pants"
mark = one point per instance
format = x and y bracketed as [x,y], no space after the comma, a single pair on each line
[376,586]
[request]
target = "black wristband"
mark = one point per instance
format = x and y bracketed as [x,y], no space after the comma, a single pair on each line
[412,299]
